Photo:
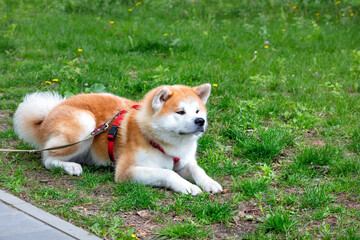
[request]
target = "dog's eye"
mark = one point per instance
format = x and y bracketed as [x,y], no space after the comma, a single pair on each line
[197,111]
[182,112]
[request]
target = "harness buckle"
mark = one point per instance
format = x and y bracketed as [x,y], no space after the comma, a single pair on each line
[112,133]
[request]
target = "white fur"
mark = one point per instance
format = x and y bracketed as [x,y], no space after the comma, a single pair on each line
[36,106]
[164,178]
[87,123]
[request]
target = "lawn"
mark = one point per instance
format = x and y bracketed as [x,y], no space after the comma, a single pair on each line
[283,136]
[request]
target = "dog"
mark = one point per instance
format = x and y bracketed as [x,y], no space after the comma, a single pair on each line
[155,143]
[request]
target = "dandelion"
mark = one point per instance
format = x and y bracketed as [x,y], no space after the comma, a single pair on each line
[317,14]
[336,3]
[133,236]
[294,7]
[55,80]
[266,46]
[343,15]
[138,3]
[111,22]
[215,85]
[352,14]
[130,9]
[283,30]
[165,34]
[48,82]
[80,50]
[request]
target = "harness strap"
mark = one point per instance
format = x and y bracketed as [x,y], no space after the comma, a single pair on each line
[113,131]
[158,147]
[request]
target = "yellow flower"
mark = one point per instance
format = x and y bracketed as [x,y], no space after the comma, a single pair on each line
[138,3]
[165,34]
[283,30]
[336,3]
[55,80]
[133,236]
[343,15]
[352,14]
[294,7]
[215,85]
[80,50]
[111,22]
[288,5]
[266,46]
[130,9]
[317,14]
[48,82]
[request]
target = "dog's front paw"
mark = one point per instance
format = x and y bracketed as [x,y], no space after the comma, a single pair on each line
[72,168]
[190,188]
[211,186]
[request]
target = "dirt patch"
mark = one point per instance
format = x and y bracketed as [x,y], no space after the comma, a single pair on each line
[350,202]
[4,117]
[142,222]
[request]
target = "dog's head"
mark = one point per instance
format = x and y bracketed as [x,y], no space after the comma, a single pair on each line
[177,111]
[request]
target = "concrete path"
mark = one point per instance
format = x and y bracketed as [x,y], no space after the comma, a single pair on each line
[20,220]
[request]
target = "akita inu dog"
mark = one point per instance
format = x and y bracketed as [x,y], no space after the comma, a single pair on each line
[155,144]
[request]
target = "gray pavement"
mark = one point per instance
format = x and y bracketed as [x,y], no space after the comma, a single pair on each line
[20,220]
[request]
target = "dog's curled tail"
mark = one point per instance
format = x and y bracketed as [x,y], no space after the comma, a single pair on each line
[31,113]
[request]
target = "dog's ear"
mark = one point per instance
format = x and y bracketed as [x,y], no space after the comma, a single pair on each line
[160,98]
[203,92]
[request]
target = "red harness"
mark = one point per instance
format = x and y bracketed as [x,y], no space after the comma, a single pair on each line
[113,131]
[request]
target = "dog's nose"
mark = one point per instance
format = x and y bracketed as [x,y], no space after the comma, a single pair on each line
[199,121]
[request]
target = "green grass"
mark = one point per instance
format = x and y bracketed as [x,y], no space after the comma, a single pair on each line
[355,140]
[279,220]
[183,231]
[316,196]
[250,187]
[283,136]
[265,146]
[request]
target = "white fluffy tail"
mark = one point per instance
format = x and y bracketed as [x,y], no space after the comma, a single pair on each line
[32,112]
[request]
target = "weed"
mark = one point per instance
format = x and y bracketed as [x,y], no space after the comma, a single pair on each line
[320,214]
[355,141]
[204,210]
[279,220]
[186,230]
[134,195]
[250,187]
[316,196]
[318,156]
[266,146]
[346,167]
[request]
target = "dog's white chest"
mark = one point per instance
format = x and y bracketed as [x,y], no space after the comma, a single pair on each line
[154,159]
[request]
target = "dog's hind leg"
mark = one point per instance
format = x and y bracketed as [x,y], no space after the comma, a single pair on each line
[73,127]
